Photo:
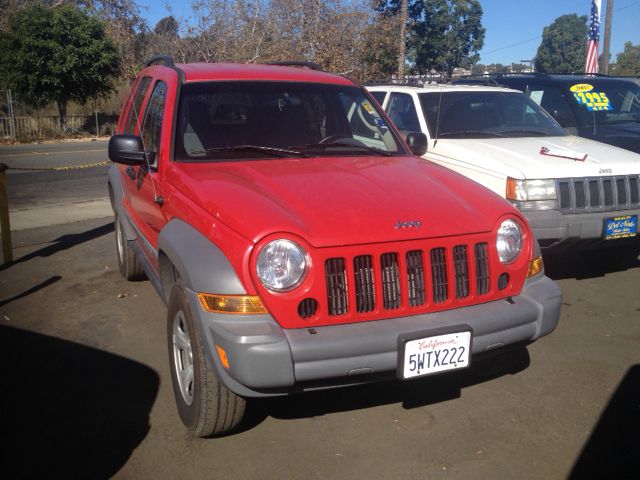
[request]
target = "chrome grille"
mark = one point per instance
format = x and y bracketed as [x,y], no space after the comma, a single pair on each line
[592,194]
[365,289]
[461,264]
[482,268]
[415,278]
[336,279]
[390,281]
[404,280]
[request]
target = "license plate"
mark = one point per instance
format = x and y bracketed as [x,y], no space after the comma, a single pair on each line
[426,355]
[620,227]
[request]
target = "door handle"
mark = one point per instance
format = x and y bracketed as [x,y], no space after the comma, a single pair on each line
[131,172]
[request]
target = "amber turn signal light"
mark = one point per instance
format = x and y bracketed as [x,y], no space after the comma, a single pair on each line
[223,357]
[535,266]
[240,304]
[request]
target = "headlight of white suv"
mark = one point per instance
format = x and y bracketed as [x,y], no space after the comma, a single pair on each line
[509,241]
[539,194]
[281,265]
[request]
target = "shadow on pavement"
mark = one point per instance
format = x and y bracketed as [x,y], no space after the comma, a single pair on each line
[582,265]
[613,450]
[69,411]
[411,394]
[26,293]
[64,243]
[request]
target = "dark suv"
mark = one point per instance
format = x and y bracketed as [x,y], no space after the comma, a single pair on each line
[602,108]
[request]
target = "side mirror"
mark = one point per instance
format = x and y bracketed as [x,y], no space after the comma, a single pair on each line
[127,149]
[418,143]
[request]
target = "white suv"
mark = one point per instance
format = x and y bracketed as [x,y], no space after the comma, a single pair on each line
[570,189]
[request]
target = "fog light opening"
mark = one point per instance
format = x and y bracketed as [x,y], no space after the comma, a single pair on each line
[503,281]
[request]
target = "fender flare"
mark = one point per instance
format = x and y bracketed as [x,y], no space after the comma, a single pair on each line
[116,195]
[201,265]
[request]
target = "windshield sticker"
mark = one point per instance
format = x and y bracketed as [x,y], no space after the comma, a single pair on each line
[581,87]
[380,122]
[536,96]
[594,101]
[368,107]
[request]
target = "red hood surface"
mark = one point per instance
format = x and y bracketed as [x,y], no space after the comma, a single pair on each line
[340,201]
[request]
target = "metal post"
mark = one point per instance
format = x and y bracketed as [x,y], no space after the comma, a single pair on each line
[5,229]
[95,111]
[12,118]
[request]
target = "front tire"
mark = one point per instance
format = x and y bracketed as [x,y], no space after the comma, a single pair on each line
[128,262]
[206,407]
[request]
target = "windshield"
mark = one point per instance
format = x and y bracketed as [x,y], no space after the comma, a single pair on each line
[251,120]
[485,114]
[606,103]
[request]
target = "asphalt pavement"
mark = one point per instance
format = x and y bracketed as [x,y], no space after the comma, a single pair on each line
[85,390]
[56,183]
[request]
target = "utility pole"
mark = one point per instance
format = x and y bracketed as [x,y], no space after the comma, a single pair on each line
[604,60]
[404,13]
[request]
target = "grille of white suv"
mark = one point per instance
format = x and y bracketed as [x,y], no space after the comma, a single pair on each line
[592,194]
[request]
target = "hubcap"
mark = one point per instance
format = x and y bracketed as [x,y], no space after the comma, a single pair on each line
[183,357]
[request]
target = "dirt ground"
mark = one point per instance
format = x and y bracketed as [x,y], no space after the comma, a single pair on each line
[85,390]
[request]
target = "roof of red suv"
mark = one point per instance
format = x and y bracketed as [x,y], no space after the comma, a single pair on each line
[200,72]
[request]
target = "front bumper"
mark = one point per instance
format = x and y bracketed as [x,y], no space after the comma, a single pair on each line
[268,360]
[553,225]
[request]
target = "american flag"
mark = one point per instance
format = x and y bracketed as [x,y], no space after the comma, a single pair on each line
[593,38]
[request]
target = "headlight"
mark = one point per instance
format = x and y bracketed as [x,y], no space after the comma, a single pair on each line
[509,241]
[532,194]
[281,265]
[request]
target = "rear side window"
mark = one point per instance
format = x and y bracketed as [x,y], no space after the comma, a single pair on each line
[553,101]
[154,114]
[379,96]
[402,112]
[133,117]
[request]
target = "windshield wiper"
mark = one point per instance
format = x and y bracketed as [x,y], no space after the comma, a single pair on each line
[273,151]
[469,133]
[328,145]
[536,133]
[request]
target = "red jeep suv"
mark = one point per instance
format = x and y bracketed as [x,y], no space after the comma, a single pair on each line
[300,243]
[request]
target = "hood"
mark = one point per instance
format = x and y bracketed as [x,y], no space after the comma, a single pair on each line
[521,158]
[624,135]
[340,201]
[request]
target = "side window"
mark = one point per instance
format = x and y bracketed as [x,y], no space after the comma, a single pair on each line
[153,118]
[134,110]
[402,112]
[551,99]
[379,96]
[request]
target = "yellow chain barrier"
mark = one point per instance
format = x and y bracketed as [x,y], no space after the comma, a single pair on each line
[58,169]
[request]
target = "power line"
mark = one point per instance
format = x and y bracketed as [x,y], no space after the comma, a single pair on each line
[540,36]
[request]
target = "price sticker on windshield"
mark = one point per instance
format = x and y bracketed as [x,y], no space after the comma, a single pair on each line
[593,101]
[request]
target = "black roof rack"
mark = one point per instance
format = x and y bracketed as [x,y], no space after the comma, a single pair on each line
[165,60]
[475,80]
[309,65]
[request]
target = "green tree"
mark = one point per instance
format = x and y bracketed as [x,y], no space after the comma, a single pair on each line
[563,45]
[380,47]
[443,34]
[56,55]
[628,61]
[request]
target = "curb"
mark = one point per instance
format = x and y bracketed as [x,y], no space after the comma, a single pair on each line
[50,215]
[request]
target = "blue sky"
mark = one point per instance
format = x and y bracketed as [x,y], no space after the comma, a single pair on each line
[514,27]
